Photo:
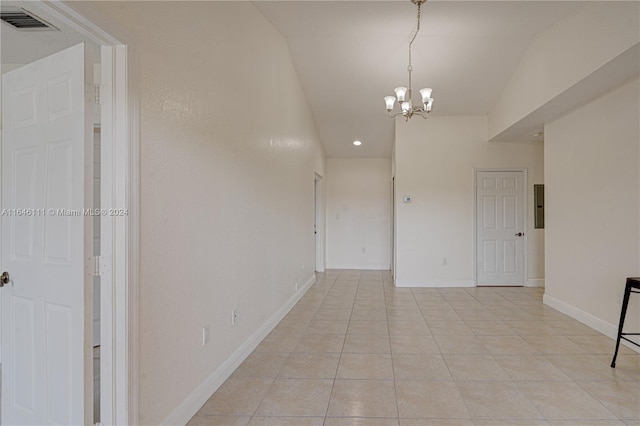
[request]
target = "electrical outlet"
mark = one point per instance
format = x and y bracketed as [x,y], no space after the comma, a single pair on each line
[234,317]
[205,335]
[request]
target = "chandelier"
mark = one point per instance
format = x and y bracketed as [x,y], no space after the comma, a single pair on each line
[403,94]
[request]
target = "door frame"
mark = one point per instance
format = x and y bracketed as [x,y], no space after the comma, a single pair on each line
[393,229]
[318,186]
[525,219]
[120,239]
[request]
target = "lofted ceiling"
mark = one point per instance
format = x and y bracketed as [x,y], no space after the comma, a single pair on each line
[350,54]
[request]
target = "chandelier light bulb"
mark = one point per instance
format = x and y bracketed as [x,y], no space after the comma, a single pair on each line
[401,93]
[429,105]
[389,101]
[426,95]
[406,106]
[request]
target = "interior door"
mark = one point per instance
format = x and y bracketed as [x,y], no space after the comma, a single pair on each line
[500,228]
[47,241]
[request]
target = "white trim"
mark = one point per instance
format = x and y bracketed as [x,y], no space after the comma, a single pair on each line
[88,235]
[369,267]
[88,21]
[433,284]
[499,169]
[394,252]
[525,219]
[107,355]
[535,282]
[119,284]
[131,246]
[125,250]
[192,403]
[586,318]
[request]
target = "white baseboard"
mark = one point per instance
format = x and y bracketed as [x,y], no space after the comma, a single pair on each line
[586,318]
[434,283]
[535,282]
[361,267]
[190,406]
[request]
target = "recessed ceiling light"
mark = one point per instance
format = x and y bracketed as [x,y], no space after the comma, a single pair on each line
[537,134]
[357,143]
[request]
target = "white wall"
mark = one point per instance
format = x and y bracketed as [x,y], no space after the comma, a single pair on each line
[563,55]
[228,154]
[358,213]
[435,161]
[593,208]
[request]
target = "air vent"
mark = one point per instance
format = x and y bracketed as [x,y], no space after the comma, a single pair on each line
[24,21]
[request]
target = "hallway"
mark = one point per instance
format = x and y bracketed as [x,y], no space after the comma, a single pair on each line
[357,351]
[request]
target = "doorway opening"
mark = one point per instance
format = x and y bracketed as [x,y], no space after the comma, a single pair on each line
[318,227]
[115,243]
[393,229]
[96,252]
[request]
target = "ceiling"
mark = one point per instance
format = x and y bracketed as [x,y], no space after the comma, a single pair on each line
[22,47]
[350,54]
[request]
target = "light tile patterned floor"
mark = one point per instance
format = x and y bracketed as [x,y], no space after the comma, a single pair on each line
[357,351]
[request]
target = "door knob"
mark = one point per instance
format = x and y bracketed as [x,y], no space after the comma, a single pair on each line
[519,234]
[4,279]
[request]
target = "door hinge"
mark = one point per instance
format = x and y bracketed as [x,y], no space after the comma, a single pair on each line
[96,94]
[96,266]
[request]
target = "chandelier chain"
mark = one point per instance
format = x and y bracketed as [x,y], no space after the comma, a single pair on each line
[414,35]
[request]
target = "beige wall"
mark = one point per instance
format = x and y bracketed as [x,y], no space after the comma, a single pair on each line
[228,150]
[434,163]
[359,213]
[593,208]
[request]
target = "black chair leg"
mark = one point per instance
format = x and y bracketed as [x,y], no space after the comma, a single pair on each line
[625,302]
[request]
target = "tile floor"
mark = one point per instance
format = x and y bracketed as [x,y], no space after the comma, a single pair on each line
[357,351]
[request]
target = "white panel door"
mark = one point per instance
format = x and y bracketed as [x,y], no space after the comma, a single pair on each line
[500,228]
[46,184]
